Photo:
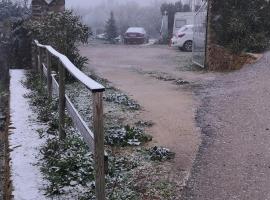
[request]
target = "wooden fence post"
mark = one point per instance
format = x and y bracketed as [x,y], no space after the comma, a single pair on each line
[33,56]
[36,59]
[41,63]
[99,144]
[39,59]
[61,70]
[49,74]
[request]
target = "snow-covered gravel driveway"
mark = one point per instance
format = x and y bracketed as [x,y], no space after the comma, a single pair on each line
[234,160]
[149,75]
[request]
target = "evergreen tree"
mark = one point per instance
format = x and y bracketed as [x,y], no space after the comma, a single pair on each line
[111,29]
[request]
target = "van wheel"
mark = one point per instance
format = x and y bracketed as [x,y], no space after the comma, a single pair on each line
[188,46]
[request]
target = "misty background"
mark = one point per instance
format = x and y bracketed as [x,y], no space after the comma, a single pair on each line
[82,3]
[127,13]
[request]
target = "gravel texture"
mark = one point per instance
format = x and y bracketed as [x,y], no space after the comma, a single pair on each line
[234,158]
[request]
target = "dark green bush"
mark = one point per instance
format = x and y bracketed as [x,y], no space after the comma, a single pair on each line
[242,25]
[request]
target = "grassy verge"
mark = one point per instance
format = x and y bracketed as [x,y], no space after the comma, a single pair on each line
[135,171]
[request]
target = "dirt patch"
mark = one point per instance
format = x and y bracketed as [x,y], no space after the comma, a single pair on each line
[152,77]
[221,59]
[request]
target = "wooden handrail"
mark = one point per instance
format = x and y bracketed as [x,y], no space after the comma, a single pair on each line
[41,58]
[68,65]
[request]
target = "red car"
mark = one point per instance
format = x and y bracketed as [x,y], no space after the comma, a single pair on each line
[136,35]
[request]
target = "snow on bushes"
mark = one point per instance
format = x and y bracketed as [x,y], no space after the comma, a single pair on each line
[124,136]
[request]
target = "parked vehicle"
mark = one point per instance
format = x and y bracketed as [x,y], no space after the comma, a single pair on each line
[136,35]
[101,36]
[118,39]
[181,19]
[183,39]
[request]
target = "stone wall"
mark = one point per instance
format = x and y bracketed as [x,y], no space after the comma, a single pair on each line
[4,78]
[4,75]
[1,28]
[42,7]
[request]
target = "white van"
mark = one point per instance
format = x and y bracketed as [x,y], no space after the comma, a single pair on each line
[181,19]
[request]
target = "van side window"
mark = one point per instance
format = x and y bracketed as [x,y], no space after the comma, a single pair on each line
[180,23]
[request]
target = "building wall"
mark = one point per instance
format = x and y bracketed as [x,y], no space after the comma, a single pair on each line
[42,7]
[3,67]
[1,28]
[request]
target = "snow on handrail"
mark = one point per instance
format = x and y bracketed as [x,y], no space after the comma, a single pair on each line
[78,74]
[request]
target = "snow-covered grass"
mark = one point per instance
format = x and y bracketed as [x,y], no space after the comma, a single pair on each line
[68,166]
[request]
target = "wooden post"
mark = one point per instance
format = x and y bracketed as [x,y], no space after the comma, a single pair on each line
[38,58]
[99,145]
[49,74]
[61,70]
[41,63]
[33,56]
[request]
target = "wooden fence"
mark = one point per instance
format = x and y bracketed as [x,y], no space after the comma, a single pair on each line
[42,63]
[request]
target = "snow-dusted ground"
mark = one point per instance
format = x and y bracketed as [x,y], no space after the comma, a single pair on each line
[24,143]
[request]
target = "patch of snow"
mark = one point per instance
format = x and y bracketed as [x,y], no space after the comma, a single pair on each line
[25,143]
[151,42]
[136,30]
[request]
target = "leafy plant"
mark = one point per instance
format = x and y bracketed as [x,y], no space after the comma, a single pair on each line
[63,31]
[241,25]
[126,136]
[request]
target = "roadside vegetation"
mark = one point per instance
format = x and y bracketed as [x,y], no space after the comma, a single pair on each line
[241,26]
[68,165]
[236,29]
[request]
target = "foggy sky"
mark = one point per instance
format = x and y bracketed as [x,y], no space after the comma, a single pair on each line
[87,3]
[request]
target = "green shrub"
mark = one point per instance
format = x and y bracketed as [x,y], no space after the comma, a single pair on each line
[242,25]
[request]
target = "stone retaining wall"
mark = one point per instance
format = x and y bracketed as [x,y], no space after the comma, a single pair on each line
[4,75]
[4,117]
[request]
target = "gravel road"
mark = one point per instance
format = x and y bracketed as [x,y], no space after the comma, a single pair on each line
[234,159]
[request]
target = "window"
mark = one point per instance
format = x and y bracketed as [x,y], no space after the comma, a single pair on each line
[180,23]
